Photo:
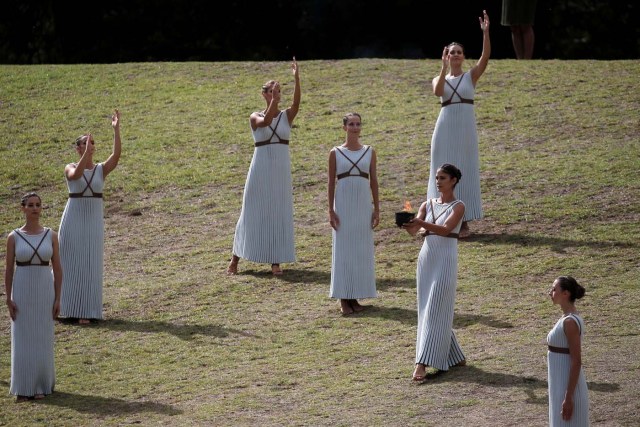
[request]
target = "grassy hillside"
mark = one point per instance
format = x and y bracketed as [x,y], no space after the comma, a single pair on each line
[183,344]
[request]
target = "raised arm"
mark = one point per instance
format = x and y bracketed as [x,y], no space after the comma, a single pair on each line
[74,171]
[438,81]
[479,68]
[334,221]
[292,111]
[259,120]
[114,158]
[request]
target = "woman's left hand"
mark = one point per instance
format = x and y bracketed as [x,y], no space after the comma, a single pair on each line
[375,219]
[484,21]
[56,309]
[294,67]
[567,409]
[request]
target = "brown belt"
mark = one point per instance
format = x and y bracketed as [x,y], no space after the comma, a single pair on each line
[558,350]
[27,264]
[347,174]
[462,101]
[451,235]
[282,141]
[79,195]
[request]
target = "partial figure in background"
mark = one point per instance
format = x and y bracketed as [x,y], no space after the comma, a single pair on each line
[264,232]
[437,275]
[82,229]
[353,214]
[568,394]
[455,137]
[33,300]
[520,15]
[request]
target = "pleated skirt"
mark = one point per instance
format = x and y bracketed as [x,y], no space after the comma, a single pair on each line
[81,238]
[264,232]
[436,343]
[455,141]
[32,333]
[558,366]
[352,262]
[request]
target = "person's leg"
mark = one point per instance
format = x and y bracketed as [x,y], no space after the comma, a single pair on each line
[517,39]
[233,265]
[345,307]
[528,39]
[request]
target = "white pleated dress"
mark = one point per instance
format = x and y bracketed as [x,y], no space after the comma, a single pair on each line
[264,232]
[558,365]
[32,333]
[352,263]
[455,141]
[437,278]
[81,239]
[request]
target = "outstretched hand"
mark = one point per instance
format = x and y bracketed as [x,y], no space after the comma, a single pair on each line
[484,21]
[115,119]
[294,67]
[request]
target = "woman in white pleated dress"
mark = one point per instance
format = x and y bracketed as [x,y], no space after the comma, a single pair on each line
[82,229]
[568,394]
[264,232]
[33,299]
[437,275]
[455,137]
[353,214]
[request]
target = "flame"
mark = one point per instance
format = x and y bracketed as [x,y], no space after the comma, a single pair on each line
[407,206]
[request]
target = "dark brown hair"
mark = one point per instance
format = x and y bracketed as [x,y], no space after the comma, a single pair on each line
[347,116]
[568,283]
[452,171]
[27,196]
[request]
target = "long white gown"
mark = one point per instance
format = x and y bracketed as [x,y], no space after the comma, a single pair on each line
[32,333]
[81,240]
[264,232]
[352,263]
[558,365]
[437,278]
[455,141]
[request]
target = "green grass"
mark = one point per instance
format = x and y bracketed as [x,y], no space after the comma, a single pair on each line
[182,344]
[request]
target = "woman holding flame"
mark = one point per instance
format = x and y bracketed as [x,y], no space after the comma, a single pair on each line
[436,276]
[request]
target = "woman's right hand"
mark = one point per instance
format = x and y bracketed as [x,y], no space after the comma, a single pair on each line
[412,226]
[445,58]
[13,309]
[334,221]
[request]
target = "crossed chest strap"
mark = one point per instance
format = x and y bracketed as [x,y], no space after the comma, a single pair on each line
[455,92]
[434,217]
[35,251]
[273,132]
[93,193]
[354,165]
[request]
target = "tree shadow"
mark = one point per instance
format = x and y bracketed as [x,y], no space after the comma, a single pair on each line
[556,244]
[383,284]
[104,406]
[185,332]
[472,374]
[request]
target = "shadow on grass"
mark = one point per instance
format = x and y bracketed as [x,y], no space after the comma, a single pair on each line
[184,332]
[464,320]
[291,275]
[383,284]
[556,244]
[104,405]
[471,374]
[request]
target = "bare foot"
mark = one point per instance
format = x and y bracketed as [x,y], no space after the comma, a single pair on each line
[355,305]
[232,268]
[420,373]
[84,321]
[276,270]
[461,363]
[464,230]
[20,399]
[38,396]
[345,307]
